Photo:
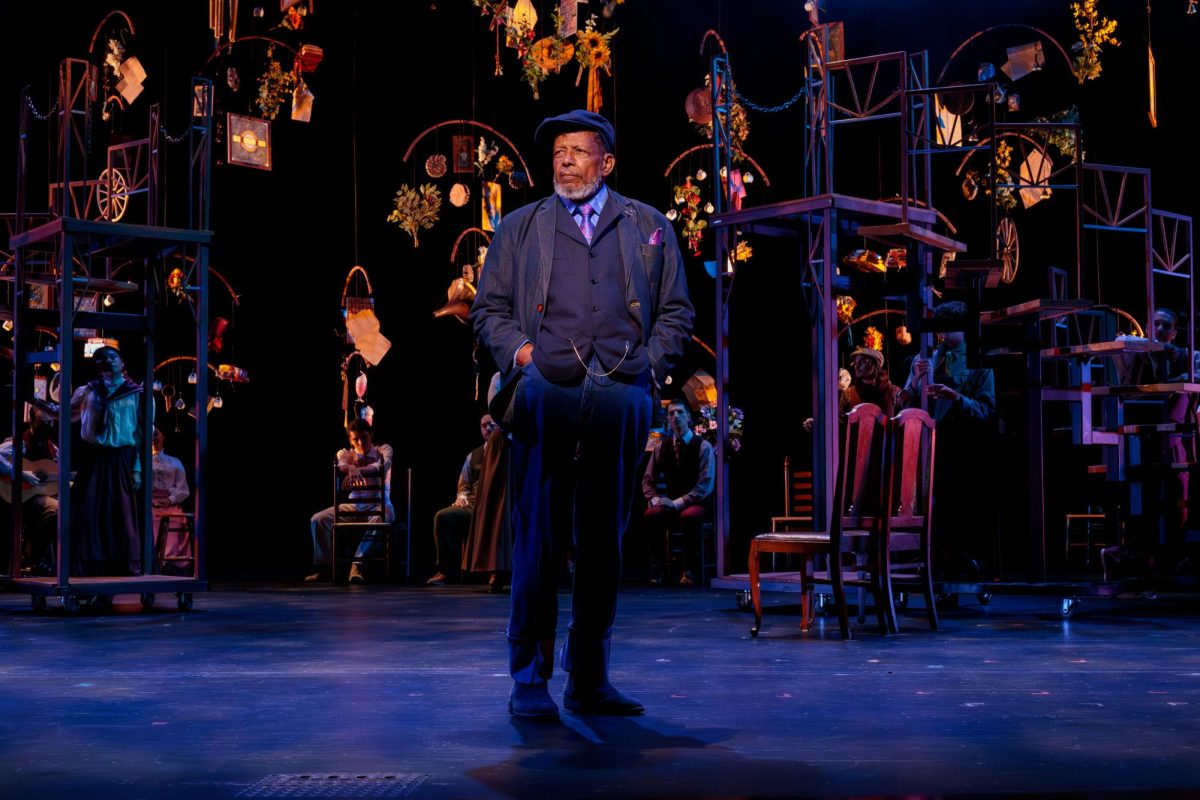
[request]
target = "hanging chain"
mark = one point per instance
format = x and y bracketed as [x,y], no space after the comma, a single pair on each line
[40,116]
[768,109]
[169,137]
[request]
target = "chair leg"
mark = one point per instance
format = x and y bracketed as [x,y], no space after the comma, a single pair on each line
[806,591]
[930,605]
[755,590]
[839,593]
[884,596]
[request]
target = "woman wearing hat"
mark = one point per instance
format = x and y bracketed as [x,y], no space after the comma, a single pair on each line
[871,384]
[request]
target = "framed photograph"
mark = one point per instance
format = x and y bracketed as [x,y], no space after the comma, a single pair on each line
[248,141]
[464,154]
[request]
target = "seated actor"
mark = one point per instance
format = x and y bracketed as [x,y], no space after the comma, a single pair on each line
[870,384]
[452,523]
[39,501]
[170,488]
[490,543]
[363,461]
[962,402]
[678,484]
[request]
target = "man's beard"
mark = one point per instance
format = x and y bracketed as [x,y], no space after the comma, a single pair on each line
[582,193]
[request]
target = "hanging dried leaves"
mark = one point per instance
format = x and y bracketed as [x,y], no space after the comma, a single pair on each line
[416,209]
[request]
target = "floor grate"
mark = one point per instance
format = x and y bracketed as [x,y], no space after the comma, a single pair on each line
[336,785]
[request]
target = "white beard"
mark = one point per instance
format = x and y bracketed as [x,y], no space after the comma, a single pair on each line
[582,193]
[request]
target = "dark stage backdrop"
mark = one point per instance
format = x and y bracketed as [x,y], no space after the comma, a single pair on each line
[287,238]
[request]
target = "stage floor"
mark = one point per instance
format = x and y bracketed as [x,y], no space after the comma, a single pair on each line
[372,689]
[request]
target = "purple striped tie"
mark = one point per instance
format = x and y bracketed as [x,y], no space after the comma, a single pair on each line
[585,222]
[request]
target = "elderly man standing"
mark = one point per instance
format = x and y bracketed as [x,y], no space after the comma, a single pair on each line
[583,303]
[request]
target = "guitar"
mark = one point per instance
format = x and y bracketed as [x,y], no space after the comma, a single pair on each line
[46,486]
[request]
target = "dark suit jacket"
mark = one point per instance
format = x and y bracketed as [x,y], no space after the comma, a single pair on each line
[512,292]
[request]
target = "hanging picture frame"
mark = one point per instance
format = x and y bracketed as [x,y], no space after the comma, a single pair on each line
[249,141]
[464,154]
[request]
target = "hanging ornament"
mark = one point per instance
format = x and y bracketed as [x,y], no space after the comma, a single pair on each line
[360,385]
[157,386]
[435,166]
[192,378]
[180,404]
[701,174]
[460,195]
[217,401]
[593,52]
[175,282]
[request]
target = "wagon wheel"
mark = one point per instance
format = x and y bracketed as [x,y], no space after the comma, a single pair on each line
[1008,249]
[112,194]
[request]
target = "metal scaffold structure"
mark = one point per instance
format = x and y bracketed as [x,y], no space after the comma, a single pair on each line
[1067,333]
[80,269]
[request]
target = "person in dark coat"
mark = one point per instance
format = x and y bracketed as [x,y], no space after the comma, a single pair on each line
[583,304]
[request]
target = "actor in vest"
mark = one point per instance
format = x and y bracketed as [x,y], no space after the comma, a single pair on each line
[678,485]
[583,304]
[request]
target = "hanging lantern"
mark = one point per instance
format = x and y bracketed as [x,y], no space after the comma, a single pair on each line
[360,385]
[193,378]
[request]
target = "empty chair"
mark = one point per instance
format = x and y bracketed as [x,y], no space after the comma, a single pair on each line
[905,545]
[854,530]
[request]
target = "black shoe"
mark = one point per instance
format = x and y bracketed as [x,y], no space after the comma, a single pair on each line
[527,701]
[604,700]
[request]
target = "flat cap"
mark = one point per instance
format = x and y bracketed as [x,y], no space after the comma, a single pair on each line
[577,120]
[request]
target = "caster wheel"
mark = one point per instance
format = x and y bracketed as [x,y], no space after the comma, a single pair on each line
[1069,605]
[148,600]
[70,603]
[184,601]
[901,601]
[947,601]
[984,598]
[744,600]
[821,604]
[38,601]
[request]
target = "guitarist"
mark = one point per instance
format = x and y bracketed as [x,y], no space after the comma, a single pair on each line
[39,508]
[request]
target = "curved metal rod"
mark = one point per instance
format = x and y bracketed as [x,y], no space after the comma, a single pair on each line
[1132,320]
[173,359]
[868,315]
[233,294]
[922,204]
[704,346]
[107,17]
[255,38]
[229,286]
[505,139]
[714,35]
[350,276]
[977,34]
[454,250]
[690,150]
[982,142]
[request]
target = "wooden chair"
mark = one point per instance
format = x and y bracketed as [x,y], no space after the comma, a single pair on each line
[854,527]
[907,526]
[358,511]
[797,500]
[174,522]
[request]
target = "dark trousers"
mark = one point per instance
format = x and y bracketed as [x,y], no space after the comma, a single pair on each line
[450,526]
[575,452]
[661,520]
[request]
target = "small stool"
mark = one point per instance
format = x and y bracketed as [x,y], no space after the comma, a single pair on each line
[1093,518]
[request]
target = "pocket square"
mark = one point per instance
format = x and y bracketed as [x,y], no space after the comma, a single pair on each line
[656,237]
